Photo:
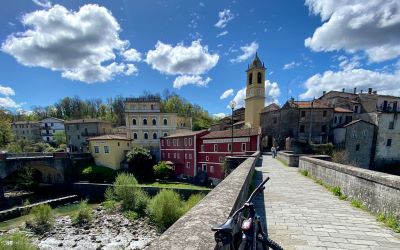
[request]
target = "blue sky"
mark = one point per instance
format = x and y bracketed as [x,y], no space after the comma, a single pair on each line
[199,50]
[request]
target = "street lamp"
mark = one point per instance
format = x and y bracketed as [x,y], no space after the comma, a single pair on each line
[232,105]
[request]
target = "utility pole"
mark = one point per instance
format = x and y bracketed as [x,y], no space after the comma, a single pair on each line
[232,104]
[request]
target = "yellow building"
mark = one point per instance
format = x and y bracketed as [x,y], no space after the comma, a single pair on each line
[109,150]
[255,93]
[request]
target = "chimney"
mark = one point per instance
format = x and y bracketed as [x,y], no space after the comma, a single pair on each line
[369,90]
[355,90]
[323,92]
[361,91]
[343,89]
[374,92]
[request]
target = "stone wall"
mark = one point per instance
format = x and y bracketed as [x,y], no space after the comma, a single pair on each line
[378,191]
[193,230]
[292,159]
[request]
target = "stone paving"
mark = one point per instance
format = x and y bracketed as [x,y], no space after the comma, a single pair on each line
[301,214]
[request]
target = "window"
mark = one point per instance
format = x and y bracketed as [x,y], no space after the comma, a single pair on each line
[79,137]
[165,134]
[104,130]
[178,155]
[190,156]
[154,122]
[106,149]
[135,136]
[54,130]
[187,164]
[303,113]
[177,142]
[96,149]
[47,138]
[212,167]
[207,158]
[323,129]
[190,141]
[146,136]
[52,124]
[348,118]
[215,147]
[324,113]
[250,78]
[118,144]
[230,147]
[134,121]
[144,121]
[127,144]
[340,120]
[389,143]
[221,159]
[335,119]
[168,155]
[275,120]
[355,109]
[162,142]
[204,167]
[165,122]
[259,77]
[174,155]
[163,155]
[152,107]
[168,142]
[174,142]
[202,148]
[77,127]
[155,136]
[86,131]
[358,147]
[391,125]
[302,128]
[185,141]
[243,147]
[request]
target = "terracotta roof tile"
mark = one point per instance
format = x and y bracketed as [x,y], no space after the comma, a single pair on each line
[342,110]
[86,120]
[228,133]
[109,137]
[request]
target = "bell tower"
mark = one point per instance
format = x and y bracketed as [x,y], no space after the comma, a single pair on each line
[255,92]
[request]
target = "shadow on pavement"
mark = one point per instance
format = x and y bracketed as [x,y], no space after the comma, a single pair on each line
[260,201]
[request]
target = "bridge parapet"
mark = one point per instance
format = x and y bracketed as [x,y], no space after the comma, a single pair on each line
[193,230]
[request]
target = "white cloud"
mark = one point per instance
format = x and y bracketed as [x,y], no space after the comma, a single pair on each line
[362,79]
[184,80]
[226,94]
[272,92]
[351,25]
[248,51]
[223,33]
[81,44]
[132,55]
[220,115]
[224,17]
[131,69]
[42,3]
[7,91]
[239,98]
[7,102]
[291,65]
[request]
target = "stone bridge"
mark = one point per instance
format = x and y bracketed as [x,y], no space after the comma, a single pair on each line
[52,166]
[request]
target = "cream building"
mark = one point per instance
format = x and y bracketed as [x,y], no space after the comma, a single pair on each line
[255,93]
[145,123]
[109,150]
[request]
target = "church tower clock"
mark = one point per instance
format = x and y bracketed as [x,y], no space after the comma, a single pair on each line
[255,92]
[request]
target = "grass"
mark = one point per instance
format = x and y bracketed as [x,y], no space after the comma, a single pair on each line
[390,220]
[359,204]
[173,184]
[304,172]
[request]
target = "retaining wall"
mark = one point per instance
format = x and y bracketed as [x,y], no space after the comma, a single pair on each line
[292,160]
[379,192]
[193,230]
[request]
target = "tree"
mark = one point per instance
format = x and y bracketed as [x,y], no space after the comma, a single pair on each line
[60,137]
[140,163]
[6,134]
[162,170]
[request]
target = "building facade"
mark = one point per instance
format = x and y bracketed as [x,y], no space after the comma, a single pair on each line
[49,126]
[109,150]
[26,130]
[387,152]
[146,124]
[79,131]
[255,93]
[181,150]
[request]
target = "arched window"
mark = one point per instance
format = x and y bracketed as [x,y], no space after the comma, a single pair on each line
[144,121]
[250,78]
[146,136]
[259,77]
[135,136]
[154,122]
[154,136]
[165,122]
[134,121]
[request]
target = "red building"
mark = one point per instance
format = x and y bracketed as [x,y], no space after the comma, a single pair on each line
[181,149]
[215,146]
[191,152]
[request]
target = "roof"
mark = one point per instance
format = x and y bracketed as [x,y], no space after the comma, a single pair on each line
[237,123]
[256,63]
[236,133]
[144,99]
[185,133]
[25,122]
[342,110]
[86,120]
[50,117]
[271,107]
[310,104]
[110,137]
[356,121]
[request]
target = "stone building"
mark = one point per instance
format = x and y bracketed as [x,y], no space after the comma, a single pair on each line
[357,138]
[79,131]
[26,130]
[308,121]
[49,126]
[146,124]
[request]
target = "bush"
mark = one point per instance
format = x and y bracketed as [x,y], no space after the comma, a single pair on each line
[140,163]
[16,241]
[127,191]
[42,218]
[192,201]
[165,208]
[162,170]
[340,157]
[322,149]
[84,214]
[98,174]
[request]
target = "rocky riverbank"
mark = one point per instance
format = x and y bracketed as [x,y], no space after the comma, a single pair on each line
[106,231]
